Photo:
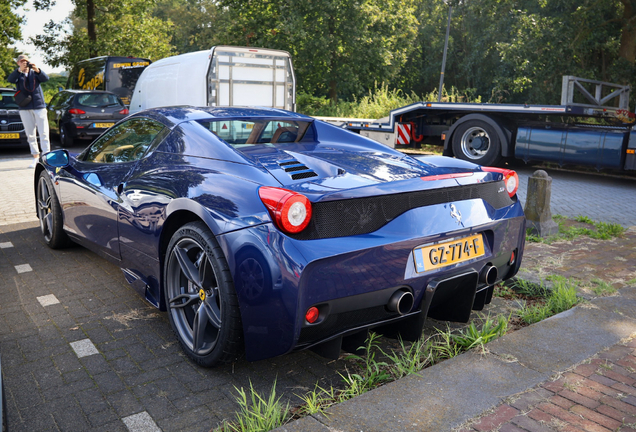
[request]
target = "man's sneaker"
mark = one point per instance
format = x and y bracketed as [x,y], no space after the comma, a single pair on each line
[33,163]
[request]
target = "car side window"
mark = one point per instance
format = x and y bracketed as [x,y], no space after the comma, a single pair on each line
[125,142]
[55,100]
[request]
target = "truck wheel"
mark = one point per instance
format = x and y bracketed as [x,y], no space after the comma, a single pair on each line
[478,142]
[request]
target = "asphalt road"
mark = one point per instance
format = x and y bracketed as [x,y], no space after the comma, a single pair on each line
[82,351]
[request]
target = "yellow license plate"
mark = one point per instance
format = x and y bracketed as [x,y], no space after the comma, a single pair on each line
[447,253]
[9,135]
[102,125]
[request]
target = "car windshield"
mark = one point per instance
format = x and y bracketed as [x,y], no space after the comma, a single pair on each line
[239,133]
[7,101]
[98,100]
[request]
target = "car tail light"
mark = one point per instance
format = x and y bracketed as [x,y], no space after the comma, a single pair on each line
[76,111]
[124,111]
[510,178]
[312,314]
[290,211]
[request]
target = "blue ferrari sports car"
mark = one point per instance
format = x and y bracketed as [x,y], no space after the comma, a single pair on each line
[262,231]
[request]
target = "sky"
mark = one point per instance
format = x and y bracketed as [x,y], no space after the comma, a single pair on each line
[34,25]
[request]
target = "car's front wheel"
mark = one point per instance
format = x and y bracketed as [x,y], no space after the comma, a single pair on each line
[50,214]
[200,296]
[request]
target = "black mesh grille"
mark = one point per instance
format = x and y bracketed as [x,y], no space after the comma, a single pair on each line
[304,175]
[296,168]
[14,127]
[365,215]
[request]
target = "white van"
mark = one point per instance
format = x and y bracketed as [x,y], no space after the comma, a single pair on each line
[222,76]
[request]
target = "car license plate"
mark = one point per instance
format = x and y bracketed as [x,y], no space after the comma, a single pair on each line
[440,255]
[9,135]
[102,125]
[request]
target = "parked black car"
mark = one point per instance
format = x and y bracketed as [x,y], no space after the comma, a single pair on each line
[83,114]
[11,128]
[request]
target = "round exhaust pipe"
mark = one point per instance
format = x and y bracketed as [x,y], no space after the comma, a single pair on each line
[488,275]
[401,302]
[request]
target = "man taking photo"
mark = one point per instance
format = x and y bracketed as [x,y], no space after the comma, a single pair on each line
[28,78]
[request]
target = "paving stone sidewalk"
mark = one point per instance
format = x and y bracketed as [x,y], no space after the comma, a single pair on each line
[598,395]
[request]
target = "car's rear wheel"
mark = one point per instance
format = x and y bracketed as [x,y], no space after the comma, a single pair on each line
[65,138]
[200,296]
[50,214]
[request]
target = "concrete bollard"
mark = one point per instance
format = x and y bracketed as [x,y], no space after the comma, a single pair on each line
[537,208]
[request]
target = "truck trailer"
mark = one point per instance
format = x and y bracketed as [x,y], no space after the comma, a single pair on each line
[592,132]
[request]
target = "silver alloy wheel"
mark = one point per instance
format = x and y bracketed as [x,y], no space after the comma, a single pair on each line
[475,143]
[193,294]
[45,213]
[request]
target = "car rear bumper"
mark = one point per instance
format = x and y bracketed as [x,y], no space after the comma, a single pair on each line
[87,129]
[352,279]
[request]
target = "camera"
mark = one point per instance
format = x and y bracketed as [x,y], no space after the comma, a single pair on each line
[29,65]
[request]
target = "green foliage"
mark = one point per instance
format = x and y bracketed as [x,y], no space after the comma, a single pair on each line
[410,360]
[602,288]
[561,298]
[373,372]
[340,48]
[10,24]
[317,401]
[123,28]
[601,231]
[257,414]
[490,329]
[528,289]
[376,104]
[52,86]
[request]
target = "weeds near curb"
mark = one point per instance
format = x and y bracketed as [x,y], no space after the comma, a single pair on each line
[490,330]
[602,288]
[601,231]
[258,414]
[561,298]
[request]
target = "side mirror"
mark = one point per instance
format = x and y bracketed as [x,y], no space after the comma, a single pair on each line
[56,158]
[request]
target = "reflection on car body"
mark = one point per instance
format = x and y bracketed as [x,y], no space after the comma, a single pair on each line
[264,231]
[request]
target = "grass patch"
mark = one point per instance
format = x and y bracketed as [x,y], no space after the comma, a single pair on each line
[561,298]
[258,413]
[601,288]
[568,230]
[473,337]
[372,374]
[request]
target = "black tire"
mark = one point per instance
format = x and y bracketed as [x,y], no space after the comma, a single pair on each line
[200,297]
[478,142]
[50,214]
[65,139]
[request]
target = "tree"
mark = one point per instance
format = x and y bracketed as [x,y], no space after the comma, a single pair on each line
[101,27]
[339,47]
[9,35]
[198,24]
